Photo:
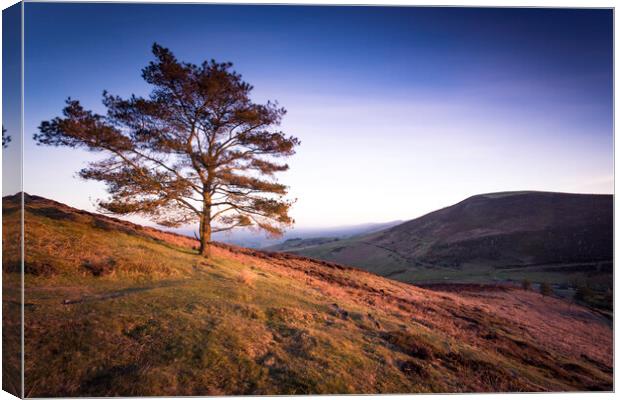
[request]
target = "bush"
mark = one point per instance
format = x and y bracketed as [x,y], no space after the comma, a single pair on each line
[409,344]
[545,289]
[100,267]
[38,268]
[608,299]
[582,293]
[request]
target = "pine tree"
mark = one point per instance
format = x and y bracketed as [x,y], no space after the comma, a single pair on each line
[6,139]
[197,149]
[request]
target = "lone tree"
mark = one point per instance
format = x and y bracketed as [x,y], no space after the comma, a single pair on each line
[6,139]
[197,149]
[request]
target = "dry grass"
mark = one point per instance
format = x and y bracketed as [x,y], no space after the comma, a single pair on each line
[246,277]
[168,322]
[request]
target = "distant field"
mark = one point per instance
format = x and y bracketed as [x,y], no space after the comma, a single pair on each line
[564,278]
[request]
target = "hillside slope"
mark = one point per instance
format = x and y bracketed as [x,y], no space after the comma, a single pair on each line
[298,244]
[513,232]
[113,308]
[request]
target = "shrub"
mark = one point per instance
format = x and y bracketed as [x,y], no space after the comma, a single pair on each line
[38,268]
[545,289]
[582,293]
[100,267]
[409,345]
[526,284]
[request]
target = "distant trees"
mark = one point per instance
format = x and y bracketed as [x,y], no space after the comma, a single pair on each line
[545,289]
[583,293]
[6,139]
[526,284]
[198,148]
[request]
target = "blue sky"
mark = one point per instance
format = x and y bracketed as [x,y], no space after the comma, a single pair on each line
[400,110]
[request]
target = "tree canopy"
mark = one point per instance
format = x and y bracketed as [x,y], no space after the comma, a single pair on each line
[6,139]
[196,149]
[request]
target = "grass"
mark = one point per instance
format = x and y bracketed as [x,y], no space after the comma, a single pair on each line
[390,264]
[499,237]
[206,335]
[123,312]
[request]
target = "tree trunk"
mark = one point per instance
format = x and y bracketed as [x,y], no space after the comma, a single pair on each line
[205,231]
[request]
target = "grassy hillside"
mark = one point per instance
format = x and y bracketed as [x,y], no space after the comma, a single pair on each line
[553,237]
[117,309]
[297,244]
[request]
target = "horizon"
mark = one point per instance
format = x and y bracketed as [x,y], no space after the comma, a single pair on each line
[449,103]
[186,230]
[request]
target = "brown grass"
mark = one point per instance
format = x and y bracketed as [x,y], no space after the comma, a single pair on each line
[246,277]
[146,316]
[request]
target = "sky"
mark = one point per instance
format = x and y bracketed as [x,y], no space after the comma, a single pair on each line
[400,111]
[11,99]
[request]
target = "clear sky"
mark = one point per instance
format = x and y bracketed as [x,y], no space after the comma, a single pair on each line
[400,110]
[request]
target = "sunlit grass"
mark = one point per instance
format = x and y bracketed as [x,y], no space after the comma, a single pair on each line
[161,320]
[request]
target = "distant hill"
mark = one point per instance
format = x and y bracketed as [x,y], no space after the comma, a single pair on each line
[256,240]
[506,232]
[299,243]
[117,309]
[313,237]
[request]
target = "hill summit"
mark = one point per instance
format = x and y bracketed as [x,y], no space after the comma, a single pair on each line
[495,236]
[113,308]
[511,228]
